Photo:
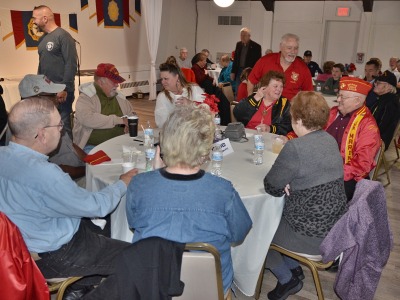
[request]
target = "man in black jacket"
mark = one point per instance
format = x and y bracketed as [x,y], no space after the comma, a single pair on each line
[247,52]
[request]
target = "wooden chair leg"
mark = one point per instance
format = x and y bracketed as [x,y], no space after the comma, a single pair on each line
[257,292]
[385,165]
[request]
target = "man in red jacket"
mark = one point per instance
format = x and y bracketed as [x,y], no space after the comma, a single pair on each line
[355,130]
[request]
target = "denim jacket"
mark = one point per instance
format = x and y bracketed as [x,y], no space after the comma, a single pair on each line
[188,208]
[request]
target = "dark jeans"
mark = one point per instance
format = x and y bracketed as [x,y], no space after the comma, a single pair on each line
[224,106]
[65,110]
[87,254]
[350,187]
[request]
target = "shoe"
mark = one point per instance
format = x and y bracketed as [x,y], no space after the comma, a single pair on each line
[298,272]
[334,267]
[72,294]
[282,291]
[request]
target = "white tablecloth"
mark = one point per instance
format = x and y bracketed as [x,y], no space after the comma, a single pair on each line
[247,178]
[214,73]
[11,93]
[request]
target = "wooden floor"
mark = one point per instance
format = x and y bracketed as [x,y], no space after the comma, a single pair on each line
[389,284]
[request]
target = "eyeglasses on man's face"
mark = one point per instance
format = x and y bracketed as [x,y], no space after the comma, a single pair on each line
[60,127]
[344,98]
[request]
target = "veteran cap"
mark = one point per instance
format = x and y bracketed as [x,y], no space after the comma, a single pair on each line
[307,53]
[354,84]
[109,71]
[32,85]
[388,77]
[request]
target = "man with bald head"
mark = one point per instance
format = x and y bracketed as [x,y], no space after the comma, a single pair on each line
[247,52]
[355,130]
[57,59]
[297,75]
[47,205]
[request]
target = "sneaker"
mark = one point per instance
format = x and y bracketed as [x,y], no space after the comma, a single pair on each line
[282,291]
[298,272]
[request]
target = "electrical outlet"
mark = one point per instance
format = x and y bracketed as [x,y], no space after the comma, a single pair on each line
[129,76]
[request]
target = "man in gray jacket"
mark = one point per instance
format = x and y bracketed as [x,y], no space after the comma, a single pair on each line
[100,109]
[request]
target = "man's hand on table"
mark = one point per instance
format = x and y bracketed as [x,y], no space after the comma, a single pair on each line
[126,177]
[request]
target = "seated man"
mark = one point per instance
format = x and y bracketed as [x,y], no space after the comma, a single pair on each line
[386,109]
[67,155]
[47,205]
[331,86]
[99,109]
[355,130]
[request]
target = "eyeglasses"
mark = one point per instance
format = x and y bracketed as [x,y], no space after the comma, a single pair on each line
[379,82]
[61,125]
[344,98]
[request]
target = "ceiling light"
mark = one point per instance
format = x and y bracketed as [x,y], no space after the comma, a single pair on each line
[224,3]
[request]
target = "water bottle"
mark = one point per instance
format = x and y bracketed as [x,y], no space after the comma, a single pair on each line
[218,131]
[319,87]
[316,74]
[259,146]
[148,135]
[216,161]
[150,153]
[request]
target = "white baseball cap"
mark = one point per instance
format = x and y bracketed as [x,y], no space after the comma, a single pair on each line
[32,85]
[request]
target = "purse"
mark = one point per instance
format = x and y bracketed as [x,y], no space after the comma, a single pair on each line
[235,132]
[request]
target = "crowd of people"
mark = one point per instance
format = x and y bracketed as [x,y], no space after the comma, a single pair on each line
[47,145]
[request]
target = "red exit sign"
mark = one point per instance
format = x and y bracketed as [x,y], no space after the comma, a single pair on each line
[343,11]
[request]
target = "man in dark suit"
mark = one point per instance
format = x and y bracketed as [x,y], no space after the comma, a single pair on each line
[247,52]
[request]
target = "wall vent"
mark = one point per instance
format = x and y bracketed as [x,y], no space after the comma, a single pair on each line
[128,88]
[229,20]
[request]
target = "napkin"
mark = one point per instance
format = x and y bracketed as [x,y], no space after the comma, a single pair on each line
[97,158]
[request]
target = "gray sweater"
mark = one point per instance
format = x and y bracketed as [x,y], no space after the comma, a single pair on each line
[313,167]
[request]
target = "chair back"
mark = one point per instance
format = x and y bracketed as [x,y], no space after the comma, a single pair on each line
[228,92]
[201,273]
[20,277]
[379,157]
[189,75]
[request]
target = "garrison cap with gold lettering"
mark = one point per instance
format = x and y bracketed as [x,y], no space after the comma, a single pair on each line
[354,84]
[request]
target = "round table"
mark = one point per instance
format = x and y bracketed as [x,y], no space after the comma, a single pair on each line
[247,178]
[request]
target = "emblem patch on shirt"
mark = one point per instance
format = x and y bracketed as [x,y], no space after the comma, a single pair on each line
[49,46]
[295,76]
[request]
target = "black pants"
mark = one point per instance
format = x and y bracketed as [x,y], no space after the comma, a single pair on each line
[350,187]
[87,254]
[224,106]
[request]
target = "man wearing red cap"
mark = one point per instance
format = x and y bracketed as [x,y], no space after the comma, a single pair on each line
[355,130]
[298,77]
[99,109]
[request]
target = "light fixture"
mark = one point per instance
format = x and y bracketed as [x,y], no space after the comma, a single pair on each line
[224,3]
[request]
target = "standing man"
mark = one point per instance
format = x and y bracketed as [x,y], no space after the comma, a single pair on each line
[312,65]
[57,59]
[298,77]
[183,61]
[355,130]
[247,53]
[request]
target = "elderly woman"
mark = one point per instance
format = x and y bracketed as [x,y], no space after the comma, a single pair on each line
[176,91]
[331,85]
[209,86]
[266,108]
[181,202]
[309,172]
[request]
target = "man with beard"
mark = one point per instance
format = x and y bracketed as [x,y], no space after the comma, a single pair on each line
[57,59]
[297,75]
[100,109]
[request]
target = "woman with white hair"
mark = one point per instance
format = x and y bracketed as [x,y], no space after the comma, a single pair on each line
[181,202]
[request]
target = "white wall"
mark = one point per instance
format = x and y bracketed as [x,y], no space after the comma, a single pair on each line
[127,48]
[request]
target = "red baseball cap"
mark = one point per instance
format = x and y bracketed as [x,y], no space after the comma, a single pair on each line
[109,71]
[354,84]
